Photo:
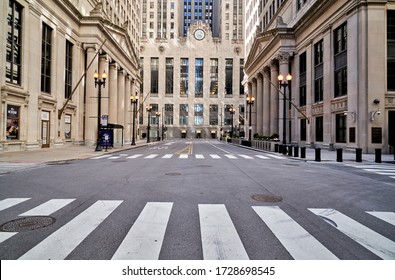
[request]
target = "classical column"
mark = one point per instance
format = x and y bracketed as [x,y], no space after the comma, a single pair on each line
[113,87]
[283,60]
[253,108]
[121,104]
[128,108]
[259,104]
[274,98]
[91,97]
[266,102]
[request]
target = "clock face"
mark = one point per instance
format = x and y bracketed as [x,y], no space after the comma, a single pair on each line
[199,34]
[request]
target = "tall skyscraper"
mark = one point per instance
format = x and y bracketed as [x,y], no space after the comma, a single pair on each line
[192,67]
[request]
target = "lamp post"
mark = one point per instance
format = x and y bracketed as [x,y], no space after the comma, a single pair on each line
[284,85]
[134,99]
[148,108]
[157,121]
[232,111]
[99,82]
[250,102]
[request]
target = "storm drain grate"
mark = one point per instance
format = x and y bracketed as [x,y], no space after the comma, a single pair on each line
[27,223]
[173,174]
[266,198]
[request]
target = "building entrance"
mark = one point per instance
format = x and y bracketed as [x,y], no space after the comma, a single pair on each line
[45,134]
[391,131]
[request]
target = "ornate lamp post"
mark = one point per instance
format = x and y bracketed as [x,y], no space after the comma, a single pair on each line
[148,108]
[284,84]
[134,99]
[232,111]
[99,82]
[250,102]
[157,121]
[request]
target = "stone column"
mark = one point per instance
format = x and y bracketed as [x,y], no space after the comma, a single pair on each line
[259,104]
[128,108]
[113,94]
[266,103]
[91,97]
[253,108]
[121,103]
[274,98]
[283,59]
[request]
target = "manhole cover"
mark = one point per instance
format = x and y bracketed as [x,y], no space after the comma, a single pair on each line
[266,198]
[173,174]
[27,223]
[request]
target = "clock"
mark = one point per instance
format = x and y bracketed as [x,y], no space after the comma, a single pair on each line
[199,34]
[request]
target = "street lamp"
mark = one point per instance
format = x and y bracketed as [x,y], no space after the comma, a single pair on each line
[148,108]
[232,111]
[157,119]
[134,99]
[101,82]
[284,85]
[250,102]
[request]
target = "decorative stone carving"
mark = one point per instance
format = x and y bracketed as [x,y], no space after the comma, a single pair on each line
[161,49]
[237,50]
[283,57]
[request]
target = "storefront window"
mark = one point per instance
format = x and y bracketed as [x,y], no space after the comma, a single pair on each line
[12,132]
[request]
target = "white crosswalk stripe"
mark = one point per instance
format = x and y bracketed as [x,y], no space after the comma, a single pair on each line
[63,241]
[168,156]
[230,156]
[220,240]
[199,156]
[219,234]
[48,207]
[151,156]
[298,242]
[135,156]
[388,217]
[262,157]
[246,157]
[144,240]
[371,240]
[382,169]
[9,202]
[215,156]
[184,156]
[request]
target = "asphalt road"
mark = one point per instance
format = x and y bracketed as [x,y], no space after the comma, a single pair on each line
[195,200]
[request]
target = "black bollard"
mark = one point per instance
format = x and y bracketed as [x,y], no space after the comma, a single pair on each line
[339,157]
[302,152]
[317,154]
[296,151]
[358,155]
[377,155]
[284,149]
[290,151]
[276,148]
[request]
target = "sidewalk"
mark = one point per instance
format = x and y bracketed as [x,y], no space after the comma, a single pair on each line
[62,153]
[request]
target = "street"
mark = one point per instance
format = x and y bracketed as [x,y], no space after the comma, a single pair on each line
[200,199]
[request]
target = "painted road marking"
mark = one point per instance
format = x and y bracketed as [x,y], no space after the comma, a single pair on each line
[145,238]
[135,156]
[388,217]
[9,202]
[47,208]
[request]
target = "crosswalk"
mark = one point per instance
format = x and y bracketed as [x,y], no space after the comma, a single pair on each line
[219,235]
[381,169]
[187,156]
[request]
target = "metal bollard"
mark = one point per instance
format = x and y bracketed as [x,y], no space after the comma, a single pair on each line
[377,155]
[317,154]
[358,155]
[290,151]
[276,148]
[296,151]
[339,156]
[302,152]
[284,149]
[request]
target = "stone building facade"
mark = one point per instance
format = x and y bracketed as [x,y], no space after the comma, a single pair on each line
[50,51]
[192,81]
[341,58]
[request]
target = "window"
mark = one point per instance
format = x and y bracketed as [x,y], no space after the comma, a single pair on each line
[68,70]
[303,130]
[318,53]
[391,50]
[14,43]
[12,132]
[183,114]
[241,90]
[229,76]
[184,77]
[213,115]
[318,72]
[318,90]
[169,114]
[340,35]
[213,77]
[142,74]
[199,77]
[377,135]
[341,128]
[67,126]
[46,58]
[198,114]
[227,115]
[169,75]
[319,129]
[154,75]
[302,80]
